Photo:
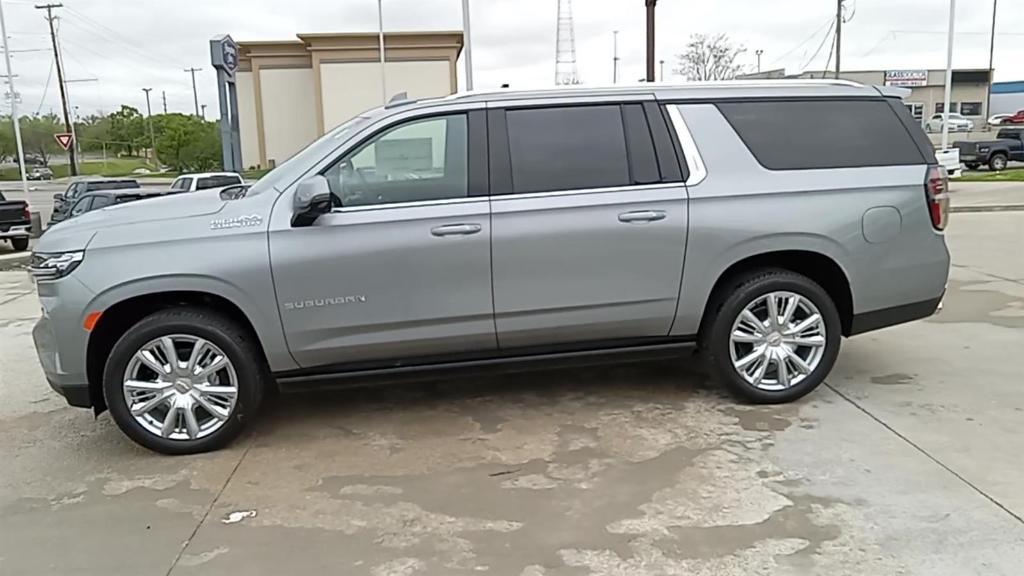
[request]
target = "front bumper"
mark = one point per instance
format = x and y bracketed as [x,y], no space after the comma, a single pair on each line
[60,339]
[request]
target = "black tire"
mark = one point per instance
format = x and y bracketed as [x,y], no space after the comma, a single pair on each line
[19,244]
[972,165]
[997,163]
[730,301]
[238,344]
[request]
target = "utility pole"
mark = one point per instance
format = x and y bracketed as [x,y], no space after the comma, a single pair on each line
[949,75]
[60,81]
[615,57]
[991,60]
[164,94]
[14,105]
[468,43]
[839,34]
[651,5]
[661,72]
[203,107]
[149,120]
[759,52]
[383,60]
[195,93]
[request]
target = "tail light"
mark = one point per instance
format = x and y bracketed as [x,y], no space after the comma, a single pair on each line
[936,191]
[28,214]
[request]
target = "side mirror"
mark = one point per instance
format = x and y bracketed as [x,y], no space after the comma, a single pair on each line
[312,198]
[234,192]
[58,197]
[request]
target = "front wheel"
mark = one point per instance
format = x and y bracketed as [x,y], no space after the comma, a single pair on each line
[774,336]
[184,381]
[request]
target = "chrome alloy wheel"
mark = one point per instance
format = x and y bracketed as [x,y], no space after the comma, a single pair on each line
[777,340]
[180,387]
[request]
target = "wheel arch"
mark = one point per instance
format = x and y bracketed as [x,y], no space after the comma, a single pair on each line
[122,313]
[819,267]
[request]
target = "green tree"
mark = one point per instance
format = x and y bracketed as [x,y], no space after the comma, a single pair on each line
[8,146]
[128,128]
[37,135]
[187,143]
[92,132]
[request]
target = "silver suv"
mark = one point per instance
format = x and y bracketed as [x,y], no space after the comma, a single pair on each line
[761,221]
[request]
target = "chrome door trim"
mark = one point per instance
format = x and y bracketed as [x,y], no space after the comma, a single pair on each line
[500,197]
[418,204]
[698,172]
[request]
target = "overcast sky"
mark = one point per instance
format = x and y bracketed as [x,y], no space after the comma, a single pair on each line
[127,45]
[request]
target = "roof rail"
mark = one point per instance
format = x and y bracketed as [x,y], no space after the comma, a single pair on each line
[642,86]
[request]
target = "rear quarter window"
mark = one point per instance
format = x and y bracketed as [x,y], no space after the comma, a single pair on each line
[819,134]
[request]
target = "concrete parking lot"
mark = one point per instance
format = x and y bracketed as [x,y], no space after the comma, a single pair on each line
[907,462]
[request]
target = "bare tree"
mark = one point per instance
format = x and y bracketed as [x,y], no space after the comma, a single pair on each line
[709,58]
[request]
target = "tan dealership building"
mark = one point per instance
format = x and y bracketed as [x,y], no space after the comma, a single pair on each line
[290,92]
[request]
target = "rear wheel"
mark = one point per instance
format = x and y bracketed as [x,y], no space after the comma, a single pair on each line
[19,244]
[774,336]
[184,381]
[997,162]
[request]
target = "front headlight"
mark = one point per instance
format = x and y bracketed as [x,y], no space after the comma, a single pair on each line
[53,266]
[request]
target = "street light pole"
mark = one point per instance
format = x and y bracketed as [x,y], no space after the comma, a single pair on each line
[14,104]
[949,75]
[991,60]
[615,56]
[383,70]
[468,44]
[758,53]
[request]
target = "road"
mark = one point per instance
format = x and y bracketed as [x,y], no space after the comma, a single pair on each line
[907,462]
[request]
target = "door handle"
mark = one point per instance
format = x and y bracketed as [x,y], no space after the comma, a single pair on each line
[456,230]
[642,216]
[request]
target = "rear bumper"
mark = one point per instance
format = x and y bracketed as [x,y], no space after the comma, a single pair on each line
[19,230]
[878,319]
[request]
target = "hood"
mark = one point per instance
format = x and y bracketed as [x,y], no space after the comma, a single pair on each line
[75,234]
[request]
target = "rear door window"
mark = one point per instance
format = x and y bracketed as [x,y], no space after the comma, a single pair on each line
[82,206]
[820,133]
[100,202]
[567,148]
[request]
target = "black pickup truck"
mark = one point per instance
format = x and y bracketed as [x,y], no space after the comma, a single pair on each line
[1008,145]
[15,223]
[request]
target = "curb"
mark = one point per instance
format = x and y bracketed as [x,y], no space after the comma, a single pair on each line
[16,260]
[988,208]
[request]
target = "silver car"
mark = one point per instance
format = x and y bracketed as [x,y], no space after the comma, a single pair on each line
[759,221]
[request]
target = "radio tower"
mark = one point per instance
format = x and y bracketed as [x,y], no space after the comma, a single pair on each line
[565,47]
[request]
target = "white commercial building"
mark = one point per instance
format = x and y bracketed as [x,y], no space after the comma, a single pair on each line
[290,92]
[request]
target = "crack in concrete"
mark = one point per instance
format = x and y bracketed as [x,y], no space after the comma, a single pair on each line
[927,454]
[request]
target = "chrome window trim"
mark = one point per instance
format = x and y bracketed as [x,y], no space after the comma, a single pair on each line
[631,187]
[698,172]
[417,204]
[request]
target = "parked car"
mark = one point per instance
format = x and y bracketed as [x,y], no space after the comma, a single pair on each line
[996,154]
[91,201]
[957,123]
[63,202]
[503,228]
[205,181]
[1017,118]
[15,223]
[40,173]
[998,119]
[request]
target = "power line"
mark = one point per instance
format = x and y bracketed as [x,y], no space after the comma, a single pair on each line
[127,42]
[820,46]
[46,89]
[800,45]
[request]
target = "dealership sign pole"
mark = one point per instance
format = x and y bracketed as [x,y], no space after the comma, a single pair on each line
[224,57]
[949,75]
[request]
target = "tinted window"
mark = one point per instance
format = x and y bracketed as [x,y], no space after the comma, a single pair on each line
[82,206]
[1010,134]
[795,135]
[2,199]
[216,182]
[74,190]
[181,184]
[416,161]
[569,148]
[100,202]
